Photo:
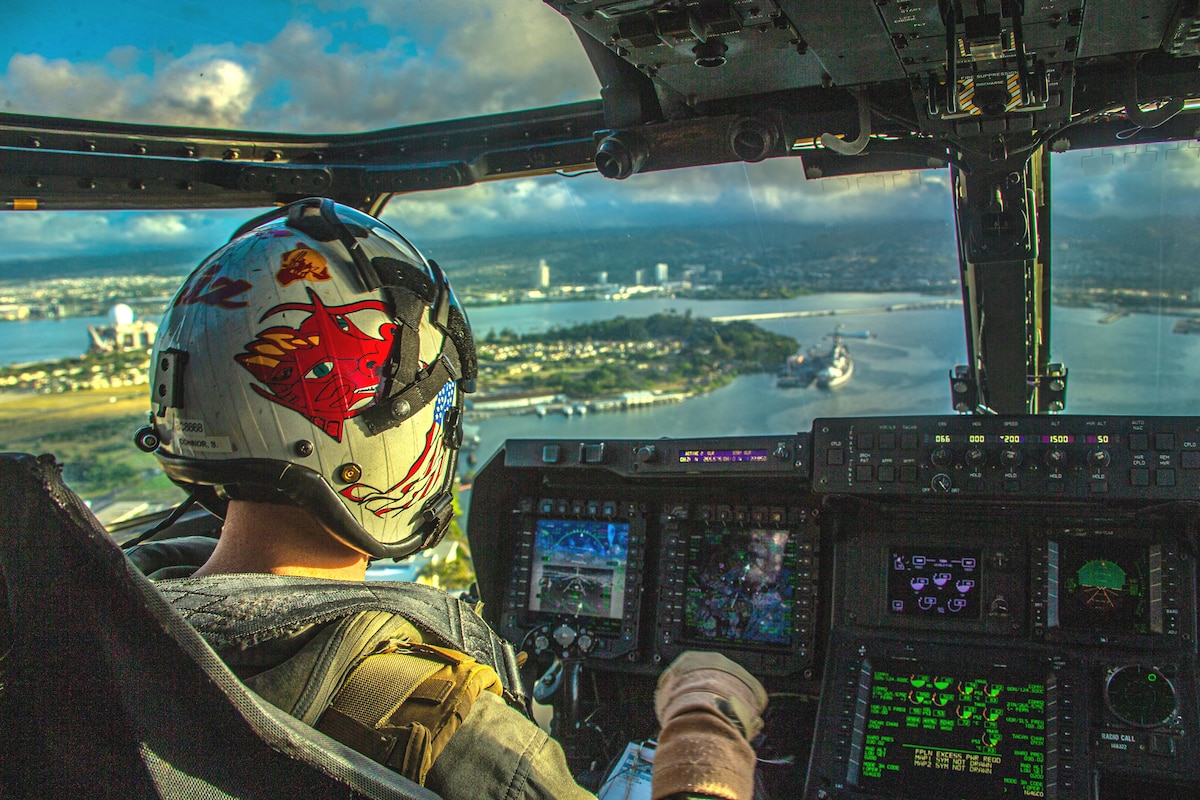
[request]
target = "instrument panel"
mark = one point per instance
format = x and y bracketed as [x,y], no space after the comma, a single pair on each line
[974,606]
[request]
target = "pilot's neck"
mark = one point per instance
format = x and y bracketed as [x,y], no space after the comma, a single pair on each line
[280,540]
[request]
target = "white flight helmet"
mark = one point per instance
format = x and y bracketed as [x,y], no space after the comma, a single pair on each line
[317,360]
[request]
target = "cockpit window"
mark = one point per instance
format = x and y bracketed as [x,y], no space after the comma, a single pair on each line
[288,67]
[1126,282]
[867,261]
[860,273]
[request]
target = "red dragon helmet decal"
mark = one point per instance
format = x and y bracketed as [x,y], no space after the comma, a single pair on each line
[327,369]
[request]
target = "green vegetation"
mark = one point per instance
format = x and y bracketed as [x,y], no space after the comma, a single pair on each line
[459,573]
[90,430]
[91,434]
[663,351]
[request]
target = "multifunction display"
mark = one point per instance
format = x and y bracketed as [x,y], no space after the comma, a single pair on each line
[1104,585]
[934,581]
[739,588]
[954,732]
[579,568]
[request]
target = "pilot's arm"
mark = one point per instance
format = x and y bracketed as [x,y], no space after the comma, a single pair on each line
[709,708]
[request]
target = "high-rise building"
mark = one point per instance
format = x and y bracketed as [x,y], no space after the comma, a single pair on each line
[543,274]
[660,272]
[639,277]
[601,277]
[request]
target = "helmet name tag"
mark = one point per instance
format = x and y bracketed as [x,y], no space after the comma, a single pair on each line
[203,444]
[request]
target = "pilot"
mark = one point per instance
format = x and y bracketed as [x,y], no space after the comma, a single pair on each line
[307,387]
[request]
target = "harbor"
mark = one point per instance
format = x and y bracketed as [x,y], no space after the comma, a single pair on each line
[930,305]
[543,405]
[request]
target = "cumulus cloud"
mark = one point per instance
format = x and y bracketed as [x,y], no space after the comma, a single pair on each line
[63,233]
[204,89]
[774,192]
[34,84]
[320,71]
[381,63]
[1137,180]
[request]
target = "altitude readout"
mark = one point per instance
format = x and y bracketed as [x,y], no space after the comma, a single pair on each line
[934,582]
[579,568]
[1104,586]
[956,734]
[721,456]
[1019,438]
[739,587]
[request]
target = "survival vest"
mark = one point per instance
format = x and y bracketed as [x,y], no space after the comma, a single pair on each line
[389,669]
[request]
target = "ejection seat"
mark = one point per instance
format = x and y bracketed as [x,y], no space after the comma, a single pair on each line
[105,691]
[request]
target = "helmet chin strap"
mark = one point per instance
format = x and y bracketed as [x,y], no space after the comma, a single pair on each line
[436,515]
[396,408]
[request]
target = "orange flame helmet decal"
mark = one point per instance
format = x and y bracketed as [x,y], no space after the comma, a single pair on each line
[328,369]
[302,264]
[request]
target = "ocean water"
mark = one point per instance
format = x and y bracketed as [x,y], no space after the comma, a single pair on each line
[44,339]
[1135,365]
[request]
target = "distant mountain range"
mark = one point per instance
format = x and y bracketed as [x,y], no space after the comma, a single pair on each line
[1119,251]
[178,261]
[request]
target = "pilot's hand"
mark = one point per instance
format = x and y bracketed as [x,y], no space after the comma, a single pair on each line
[709,708]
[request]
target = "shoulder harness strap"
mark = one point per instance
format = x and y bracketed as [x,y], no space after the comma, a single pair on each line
[401,703]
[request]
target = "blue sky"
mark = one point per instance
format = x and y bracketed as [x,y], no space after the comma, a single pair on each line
[340,65]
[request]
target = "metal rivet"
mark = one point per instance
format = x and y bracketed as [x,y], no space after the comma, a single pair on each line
[304,448]
[400,408]
[349,473]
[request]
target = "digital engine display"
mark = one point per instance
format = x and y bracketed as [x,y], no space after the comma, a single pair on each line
[978,733]
[1103,585]
[739,587]
[579,568]
[934,582]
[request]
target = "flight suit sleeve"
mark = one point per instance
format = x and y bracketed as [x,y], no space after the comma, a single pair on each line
[498,754]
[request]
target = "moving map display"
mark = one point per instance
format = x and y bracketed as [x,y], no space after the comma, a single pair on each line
[934,581]
[579,568]
[739,587]
[954,733]
[1103,585]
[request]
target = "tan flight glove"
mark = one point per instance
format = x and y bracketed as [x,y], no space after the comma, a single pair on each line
[709,708]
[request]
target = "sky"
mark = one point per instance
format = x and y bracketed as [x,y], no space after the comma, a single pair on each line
[347,65]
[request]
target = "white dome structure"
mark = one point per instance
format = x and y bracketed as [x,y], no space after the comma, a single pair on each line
[120,314]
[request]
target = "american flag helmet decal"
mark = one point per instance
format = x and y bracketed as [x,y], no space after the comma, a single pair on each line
[424,476]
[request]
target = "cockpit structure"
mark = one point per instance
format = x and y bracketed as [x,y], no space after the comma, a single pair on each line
[998,601]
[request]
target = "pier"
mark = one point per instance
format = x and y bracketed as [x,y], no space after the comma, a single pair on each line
[836,312]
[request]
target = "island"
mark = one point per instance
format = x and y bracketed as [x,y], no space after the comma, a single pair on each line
[87,408]
[618,363]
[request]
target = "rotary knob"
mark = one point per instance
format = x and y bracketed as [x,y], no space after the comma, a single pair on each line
[941,456]
[646,454]
[941,482]
[564,635]
[975,456]
[1056,458]
[1099,457]
[1011,457]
